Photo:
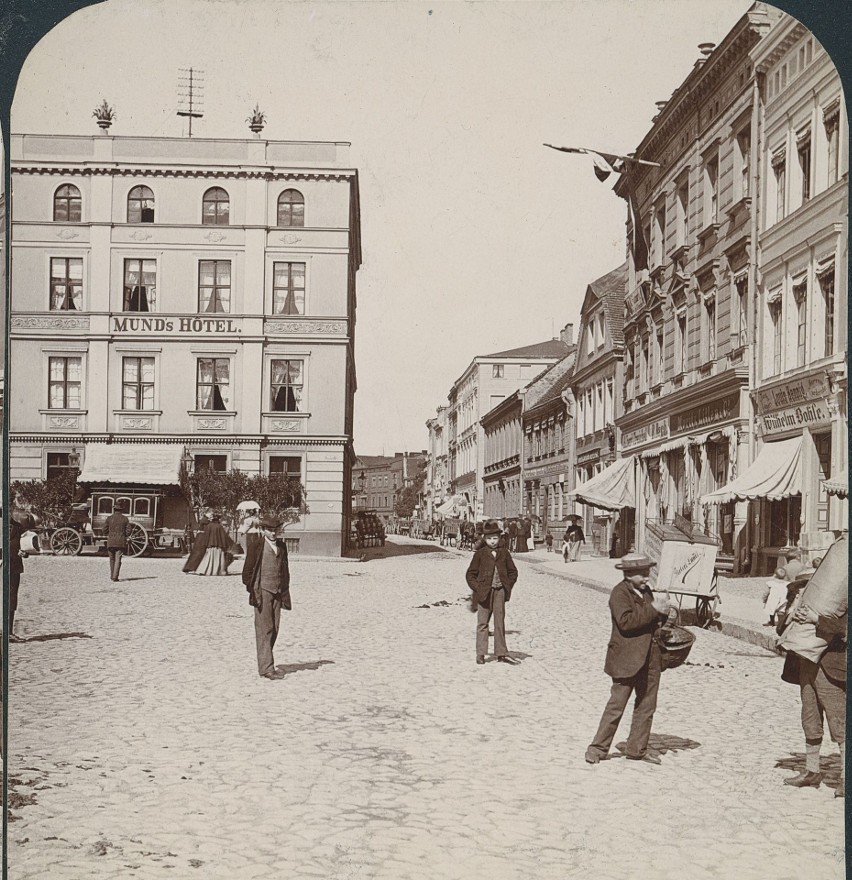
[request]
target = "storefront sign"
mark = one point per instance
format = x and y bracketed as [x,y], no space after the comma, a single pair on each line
[707,415]
[794,405]
[207,326]
[796,393]
[588,457]
[649,433]
[795,418]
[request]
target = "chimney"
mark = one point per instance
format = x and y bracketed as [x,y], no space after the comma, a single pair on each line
[567,334]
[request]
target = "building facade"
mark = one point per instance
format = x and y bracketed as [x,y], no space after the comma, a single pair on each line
[488,380]
[502,482]
[688,319]
[548,447]
[188,291]
[437,482]
[377,480]
[801,310]
[596,384]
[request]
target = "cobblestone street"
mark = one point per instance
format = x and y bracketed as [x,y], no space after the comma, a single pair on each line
[143,743]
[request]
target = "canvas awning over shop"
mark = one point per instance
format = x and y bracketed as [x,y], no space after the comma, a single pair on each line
[143,463]
[838,485]
[452,505]
[776,473]
[612,489]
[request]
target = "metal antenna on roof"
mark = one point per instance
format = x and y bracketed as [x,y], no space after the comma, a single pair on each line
[190,94]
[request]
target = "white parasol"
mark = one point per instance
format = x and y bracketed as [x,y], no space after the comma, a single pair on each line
[248,505]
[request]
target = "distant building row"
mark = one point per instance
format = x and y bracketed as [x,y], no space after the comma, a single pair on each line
[709,378]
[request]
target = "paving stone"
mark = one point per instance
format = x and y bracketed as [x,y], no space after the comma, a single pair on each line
[386,752]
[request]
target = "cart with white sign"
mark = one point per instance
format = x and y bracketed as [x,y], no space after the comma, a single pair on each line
[686,567]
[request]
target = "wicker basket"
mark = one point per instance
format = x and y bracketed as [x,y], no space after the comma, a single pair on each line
[675,644]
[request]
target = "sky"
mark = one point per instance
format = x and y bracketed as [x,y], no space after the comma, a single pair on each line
[476,238]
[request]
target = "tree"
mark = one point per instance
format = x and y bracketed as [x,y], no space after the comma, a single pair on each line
[220,492]
[50,500]
[408,496]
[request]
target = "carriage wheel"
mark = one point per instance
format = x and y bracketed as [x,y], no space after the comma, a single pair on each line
[137,541]
[704,615]
[66,542]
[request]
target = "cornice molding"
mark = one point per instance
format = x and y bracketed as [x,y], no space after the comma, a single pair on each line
[231,174]
[191,440]
[781,48]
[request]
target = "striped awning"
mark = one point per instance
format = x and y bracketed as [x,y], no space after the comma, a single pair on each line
[612,489]
[837,485]
[776,473]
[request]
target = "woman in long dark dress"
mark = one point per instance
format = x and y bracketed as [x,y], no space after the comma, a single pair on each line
[212,551]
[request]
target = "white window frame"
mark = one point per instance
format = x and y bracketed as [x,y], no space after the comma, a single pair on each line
[123,351]
[80,350]
[280,355]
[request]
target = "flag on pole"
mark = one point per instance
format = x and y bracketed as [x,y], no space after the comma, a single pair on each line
[604,163]
[609,163]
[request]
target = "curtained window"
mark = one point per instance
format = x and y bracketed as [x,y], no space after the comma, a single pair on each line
[140,285]
[213,384]
[286,386]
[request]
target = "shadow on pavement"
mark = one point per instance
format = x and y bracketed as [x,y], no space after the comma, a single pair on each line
[666,742]
[829,766]
[300,667]
[368,554]
[50,637]
[149,577]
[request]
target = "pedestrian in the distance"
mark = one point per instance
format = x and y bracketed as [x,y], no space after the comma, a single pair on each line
[776,595]
[548,541]
[633,660]
[574,537]
[491,576]
[118,531]
[266,576]
[15,560]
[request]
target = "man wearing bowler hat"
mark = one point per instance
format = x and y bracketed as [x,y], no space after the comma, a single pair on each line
[491,575]
[266,576]
[632,660]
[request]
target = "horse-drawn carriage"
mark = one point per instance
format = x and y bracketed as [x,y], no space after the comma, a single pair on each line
[157,522]
[422,528]
[141,484]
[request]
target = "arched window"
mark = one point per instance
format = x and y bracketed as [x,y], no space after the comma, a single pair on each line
[291,208]
[215,207]
[67,204]
[140,205]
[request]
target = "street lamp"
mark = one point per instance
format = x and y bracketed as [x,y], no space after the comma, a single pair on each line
[186,461]
[362,482]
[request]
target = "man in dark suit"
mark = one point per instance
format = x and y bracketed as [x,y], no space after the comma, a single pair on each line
[632,660]
[266,576]
[15,560]
[491,575]
[118,531]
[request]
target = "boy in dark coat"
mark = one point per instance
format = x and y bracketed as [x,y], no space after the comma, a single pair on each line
[632,660]
[491,575]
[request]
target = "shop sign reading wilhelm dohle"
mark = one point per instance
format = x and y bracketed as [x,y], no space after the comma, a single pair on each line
[793,405]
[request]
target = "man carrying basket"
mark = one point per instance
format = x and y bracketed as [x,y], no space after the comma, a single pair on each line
[633,660]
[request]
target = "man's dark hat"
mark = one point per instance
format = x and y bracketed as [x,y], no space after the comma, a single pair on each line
[634,562]
[491,528]
[268,521]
